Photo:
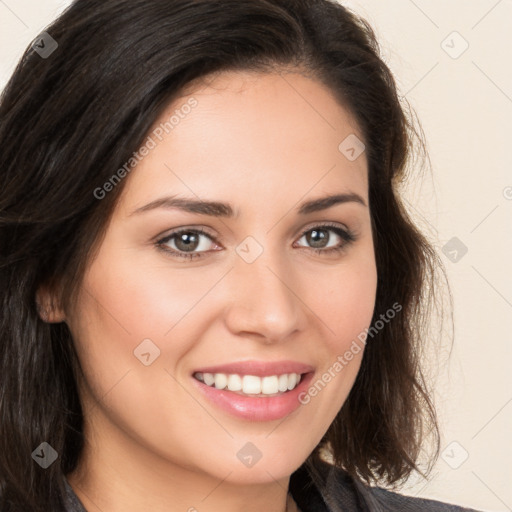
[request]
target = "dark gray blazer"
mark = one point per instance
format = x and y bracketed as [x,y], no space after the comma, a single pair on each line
[325,488]
[336,492]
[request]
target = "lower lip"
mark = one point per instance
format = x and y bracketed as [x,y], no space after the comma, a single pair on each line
[256,408]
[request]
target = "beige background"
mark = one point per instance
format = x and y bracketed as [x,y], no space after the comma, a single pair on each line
[464,101]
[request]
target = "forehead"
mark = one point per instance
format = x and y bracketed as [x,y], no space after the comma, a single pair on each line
[255,135]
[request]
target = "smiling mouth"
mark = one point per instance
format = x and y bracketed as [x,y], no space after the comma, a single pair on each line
[251,385]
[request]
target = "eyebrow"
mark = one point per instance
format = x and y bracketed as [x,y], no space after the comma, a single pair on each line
[220,209]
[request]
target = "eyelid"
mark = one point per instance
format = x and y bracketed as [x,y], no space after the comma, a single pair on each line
[196,228]
[325,224]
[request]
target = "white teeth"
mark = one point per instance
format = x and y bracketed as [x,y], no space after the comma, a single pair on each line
[221,380]
[269,385]
[209,379]
[234,382]
[283,383]
[251,384]
[292,380]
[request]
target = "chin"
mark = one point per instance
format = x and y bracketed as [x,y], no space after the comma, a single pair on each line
[267,469]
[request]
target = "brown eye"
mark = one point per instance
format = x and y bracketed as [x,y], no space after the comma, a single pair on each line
[188,243]
[320,238]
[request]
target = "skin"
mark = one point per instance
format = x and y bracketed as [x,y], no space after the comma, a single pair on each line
[265,142]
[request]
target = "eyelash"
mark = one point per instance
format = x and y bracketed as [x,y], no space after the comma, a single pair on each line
[347,235]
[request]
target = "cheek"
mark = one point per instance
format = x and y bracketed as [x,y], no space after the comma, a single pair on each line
[345,308]
[347,301]
[118,310]
[129,300]
[349,309]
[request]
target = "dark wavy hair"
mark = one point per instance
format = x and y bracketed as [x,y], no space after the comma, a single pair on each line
[69,121]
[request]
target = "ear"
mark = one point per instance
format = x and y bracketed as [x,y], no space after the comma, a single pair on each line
[47,308]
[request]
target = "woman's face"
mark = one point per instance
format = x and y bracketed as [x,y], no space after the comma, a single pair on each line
[266,291]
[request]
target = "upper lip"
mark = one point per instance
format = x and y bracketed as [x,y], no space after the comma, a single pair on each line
[258,368]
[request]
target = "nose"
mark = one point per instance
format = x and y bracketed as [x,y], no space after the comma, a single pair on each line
[263,302]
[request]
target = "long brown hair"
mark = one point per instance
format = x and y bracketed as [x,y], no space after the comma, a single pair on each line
[70,120]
